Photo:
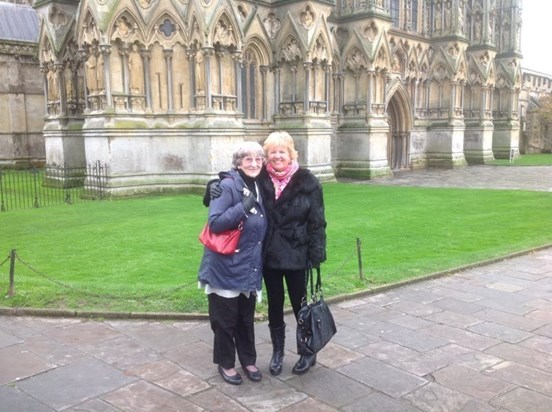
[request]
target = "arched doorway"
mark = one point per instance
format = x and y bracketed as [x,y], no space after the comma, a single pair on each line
[400,126]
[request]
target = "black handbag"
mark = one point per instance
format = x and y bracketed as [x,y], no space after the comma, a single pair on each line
[315,322]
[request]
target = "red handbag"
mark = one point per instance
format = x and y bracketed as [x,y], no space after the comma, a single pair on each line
[225,243]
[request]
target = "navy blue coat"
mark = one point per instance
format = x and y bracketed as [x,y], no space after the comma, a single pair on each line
[243,270]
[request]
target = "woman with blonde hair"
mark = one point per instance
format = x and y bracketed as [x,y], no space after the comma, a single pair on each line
[296,239]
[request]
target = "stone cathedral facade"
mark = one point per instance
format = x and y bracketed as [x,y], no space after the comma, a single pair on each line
[162,90]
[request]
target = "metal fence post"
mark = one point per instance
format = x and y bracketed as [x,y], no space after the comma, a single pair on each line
[12,273]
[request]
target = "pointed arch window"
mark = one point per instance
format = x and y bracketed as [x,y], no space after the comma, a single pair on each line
[414,16]
[394,12]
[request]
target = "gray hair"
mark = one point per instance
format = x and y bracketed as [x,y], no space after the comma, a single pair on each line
[247,149]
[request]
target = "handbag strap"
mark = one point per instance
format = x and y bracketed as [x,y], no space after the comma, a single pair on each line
[315,289]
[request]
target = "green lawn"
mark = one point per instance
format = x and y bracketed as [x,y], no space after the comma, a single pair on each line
[142,255]
[537,159]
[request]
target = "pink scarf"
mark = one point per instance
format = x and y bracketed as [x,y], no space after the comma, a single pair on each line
[281,179]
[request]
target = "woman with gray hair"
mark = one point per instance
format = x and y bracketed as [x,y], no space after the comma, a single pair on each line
[233,282]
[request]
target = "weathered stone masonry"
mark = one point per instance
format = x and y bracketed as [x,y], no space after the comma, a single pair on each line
[161,91]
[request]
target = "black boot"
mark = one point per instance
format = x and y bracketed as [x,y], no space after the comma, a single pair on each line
[306,360]
[278,336]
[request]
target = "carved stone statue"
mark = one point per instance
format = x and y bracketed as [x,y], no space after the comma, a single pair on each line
[68,73]
[200,86]
[52,85]
[223,34]
[477,28]
[136,71]
[291,51]
[272,25]
[92,73]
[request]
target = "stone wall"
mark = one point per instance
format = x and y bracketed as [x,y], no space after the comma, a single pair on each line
[22,106]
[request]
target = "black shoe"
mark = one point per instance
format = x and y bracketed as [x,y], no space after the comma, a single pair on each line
[254,376]
[304,364]
[232,380]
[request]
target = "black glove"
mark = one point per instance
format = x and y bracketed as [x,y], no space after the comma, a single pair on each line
[314,264]
[215,190]
[212,191]
[248,202]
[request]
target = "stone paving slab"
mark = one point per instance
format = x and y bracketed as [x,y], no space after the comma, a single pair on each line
[401,350]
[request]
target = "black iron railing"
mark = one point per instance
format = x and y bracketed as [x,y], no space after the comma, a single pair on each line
[51,185]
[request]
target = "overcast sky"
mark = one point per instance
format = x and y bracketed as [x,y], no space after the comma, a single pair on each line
[537,21]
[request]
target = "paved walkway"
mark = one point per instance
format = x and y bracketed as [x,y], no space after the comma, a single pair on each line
[478,340]
[476,177]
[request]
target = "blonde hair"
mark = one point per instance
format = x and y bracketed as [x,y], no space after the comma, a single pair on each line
[281,138]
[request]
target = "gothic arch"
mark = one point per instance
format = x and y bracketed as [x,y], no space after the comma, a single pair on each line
[382,54]
[261,49]
[197,30]
[355,60]
[124,28]
[399,109]
[321,37]
[320,50]
[291,50]
[225,32]
[90,33]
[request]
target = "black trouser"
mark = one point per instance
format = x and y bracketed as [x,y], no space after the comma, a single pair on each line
[232,322]
[274,282]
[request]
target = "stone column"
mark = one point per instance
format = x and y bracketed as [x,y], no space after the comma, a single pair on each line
[58,67]
[276,70]
[307,66]
[452,103]
[146,55]
[327,86]
[238,66]
[414,97]
[44,70]
[341,84]
[335,80]
[427,84]
[105,50]
[168,54]
[370,94]
[264,71]
[293,82]
[357,82]
[123,52]
[208,53]
[83,56]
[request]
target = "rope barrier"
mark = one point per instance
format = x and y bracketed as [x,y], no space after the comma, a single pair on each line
[103,295]
[5,260]
[165,292]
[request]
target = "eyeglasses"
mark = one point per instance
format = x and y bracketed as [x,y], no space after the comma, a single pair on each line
[249,160]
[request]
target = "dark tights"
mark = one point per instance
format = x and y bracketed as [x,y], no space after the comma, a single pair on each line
[274,283]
